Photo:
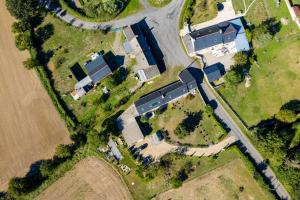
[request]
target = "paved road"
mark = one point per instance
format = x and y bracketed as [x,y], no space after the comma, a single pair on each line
[164,25]
[245,142]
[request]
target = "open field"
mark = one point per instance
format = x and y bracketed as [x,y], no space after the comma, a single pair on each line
[223,183]
[275,79]
[208,132]
[30,127]
[90,179]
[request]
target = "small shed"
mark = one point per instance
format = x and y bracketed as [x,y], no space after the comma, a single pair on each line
[213,73]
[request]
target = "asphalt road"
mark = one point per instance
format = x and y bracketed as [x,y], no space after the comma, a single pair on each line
[164,26]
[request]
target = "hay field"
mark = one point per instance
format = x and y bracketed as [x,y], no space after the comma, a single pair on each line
[232,181]
[91,179]
[30,127]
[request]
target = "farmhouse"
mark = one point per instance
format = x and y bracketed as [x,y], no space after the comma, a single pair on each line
[97,70]
[220,39]
[186,85]
[137,46]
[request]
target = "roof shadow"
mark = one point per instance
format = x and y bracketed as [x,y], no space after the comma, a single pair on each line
[153,44]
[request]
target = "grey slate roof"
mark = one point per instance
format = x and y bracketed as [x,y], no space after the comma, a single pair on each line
[212,73]
[98,69]
[166,94]
[137,45]
[217,34]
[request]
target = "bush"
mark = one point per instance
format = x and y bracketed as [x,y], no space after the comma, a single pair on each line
[63,151]
[240,59]
[24,10]
[30,63]
[47,167]
[23,41]
[176,182]
[286,116]
[234,76]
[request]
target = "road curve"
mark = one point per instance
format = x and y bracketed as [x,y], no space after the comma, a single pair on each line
[164,23]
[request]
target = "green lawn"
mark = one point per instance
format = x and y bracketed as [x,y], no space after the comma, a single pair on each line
[198,11]
[275,78]
[131,7]
[159,3]
[238,5]
[208,132]
[275,81]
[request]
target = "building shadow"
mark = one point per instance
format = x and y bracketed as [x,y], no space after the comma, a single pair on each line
[153,45]
[114,61]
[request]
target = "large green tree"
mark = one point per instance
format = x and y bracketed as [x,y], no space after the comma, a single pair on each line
[63,151]
[23,9]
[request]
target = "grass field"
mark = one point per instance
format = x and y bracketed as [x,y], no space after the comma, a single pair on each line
[90,179]
[208,132]
[223,183]
[147,189]
[30,127]
[159,3]
[238,5]
[275,78]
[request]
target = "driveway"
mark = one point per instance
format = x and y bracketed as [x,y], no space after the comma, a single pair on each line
[157,150]
[226,60]
[226,14]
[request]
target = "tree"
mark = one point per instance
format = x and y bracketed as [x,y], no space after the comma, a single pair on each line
[30,63]
[234,76]
[240,58]
[24,9]
[17,186]
[63,151]
[286,116]
[47,167]
[23,41]
[110,6]
[20,26]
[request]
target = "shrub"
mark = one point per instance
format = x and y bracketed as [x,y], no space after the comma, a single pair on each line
[23,41]
[63,151]
[286,116]
[240,58]
[47,167]
[176,182]
[188,125]
[30,63]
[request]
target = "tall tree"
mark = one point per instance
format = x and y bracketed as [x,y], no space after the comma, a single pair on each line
[23,9]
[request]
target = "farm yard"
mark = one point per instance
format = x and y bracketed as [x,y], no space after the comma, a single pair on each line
[30,127]
[90,179]
[222,183]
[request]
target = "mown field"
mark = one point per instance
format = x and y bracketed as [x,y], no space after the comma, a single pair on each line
[30,127]
[90,179]
[148,188]
[159,3]
[223,183]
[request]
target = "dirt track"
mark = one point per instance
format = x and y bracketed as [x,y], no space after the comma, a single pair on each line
[30,127]
[91,179]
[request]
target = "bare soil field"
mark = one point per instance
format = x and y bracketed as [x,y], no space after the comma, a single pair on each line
[91,179]
[232,181]
[30,127]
